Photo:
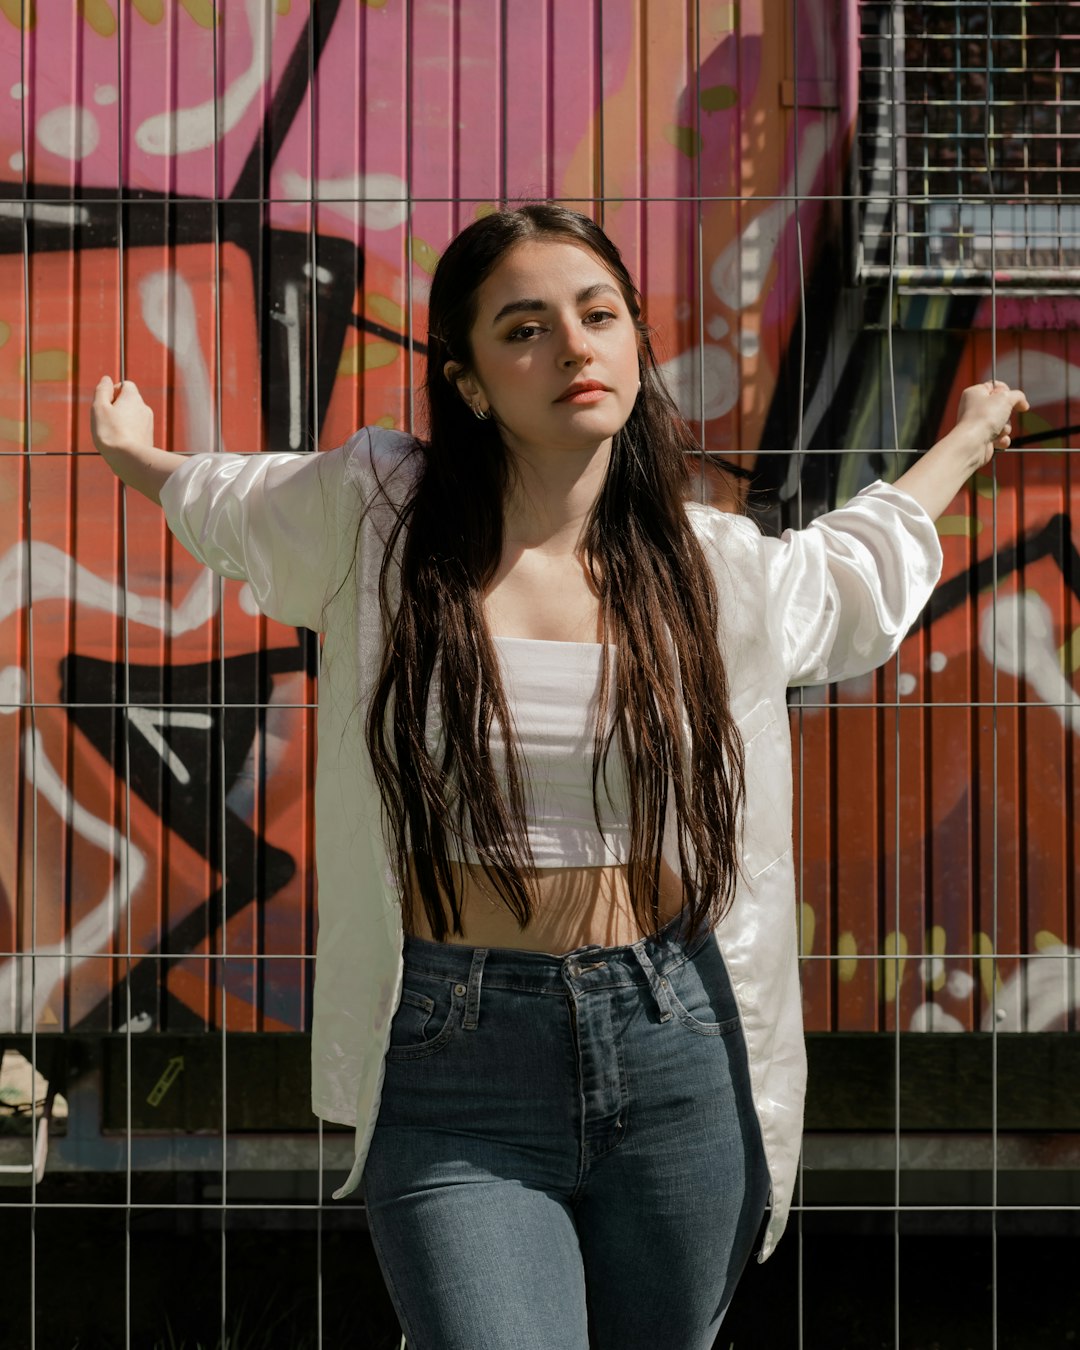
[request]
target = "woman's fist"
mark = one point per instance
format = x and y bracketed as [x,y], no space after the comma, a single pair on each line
[986,411]
[119,419]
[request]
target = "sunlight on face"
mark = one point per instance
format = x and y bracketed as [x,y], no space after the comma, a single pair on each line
[555,350]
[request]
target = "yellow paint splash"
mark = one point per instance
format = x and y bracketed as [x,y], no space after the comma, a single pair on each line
[153,11]
[964,527]
[374,4]
[684,139]
[719,97]
[367,356]
[5,332]
[1044,940]
[379,354]
[985,485]
[892,968]
[1027,424]
[54,364]
[423,254]
[283,7]
[722,18]
[809,922]
[484,209]
[12,430]
[98,14]
[203,12]
[18,15]
[350,362]
[985,949]
[386,310]
[1069,655]
[386,422]
[936,943]
[847,949]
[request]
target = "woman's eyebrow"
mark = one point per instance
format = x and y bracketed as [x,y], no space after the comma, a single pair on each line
[536,306]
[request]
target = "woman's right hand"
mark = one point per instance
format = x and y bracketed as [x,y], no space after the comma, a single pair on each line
[120,421]
[122,426]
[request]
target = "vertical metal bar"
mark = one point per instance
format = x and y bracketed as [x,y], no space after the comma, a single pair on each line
[800,400]
[453,148]
[218,13]
[121,256]
[504,166]
[30,741]
[958,105]
[893,216]
[313,267]
[1025,145]
[699,251]
[988,125]
[898,66]
[600,197]
[922,214]
[409,214]
[547,70]
[410,203]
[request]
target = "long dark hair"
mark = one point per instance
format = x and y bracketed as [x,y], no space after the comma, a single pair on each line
[658,606]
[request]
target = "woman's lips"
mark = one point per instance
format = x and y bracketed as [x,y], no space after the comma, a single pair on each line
[592,395]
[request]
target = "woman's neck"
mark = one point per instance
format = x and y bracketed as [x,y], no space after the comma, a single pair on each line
[551,496]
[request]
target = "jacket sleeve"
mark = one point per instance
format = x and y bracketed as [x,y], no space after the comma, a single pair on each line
[284,523]
[842,593]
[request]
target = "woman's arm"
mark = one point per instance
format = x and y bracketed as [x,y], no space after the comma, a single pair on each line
[122,427]
[982,426]
[284,522]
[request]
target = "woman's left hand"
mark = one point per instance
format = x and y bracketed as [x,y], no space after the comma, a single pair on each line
[985,413]
[983,425]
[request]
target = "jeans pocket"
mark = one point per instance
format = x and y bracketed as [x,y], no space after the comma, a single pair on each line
[426,1017]
[701,994]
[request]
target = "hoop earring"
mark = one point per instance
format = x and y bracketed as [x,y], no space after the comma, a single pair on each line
[481,414]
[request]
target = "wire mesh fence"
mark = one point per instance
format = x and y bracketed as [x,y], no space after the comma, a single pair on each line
[838,220]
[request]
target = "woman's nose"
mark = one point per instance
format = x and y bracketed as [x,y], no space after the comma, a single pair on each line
[575,350]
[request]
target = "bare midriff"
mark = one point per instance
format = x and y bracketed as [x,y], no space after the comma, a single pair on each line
[572,907]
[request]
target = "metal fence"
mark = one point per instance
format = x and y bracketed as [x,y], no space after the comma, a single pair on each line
[839,218]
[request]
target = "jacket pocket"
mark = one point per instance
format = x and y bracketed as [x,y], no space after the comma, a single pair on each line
[767,814]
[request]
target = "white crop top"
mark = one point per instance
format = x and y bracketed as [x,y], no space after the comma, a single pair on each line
[552,691]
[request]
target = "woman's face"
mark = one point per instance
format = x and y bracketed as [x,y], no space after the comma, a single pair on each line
[555,350]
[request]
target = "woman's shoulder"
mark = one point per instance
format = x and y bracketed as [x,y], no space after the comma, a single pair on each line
[381,461]
[733,547]
[712,525]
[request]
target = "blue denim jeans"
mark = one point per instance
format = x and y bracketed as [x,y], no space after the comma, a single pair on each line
[566,1154]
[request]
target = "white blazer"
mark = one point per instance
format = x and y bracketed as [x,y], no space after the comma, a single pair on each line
[824,603]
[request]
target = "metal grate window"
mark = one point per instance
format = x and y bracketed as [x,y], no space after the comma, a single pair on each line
[969,141]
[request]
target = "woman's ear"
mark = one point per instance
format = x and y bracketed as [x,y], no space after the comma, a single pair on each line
[463,381]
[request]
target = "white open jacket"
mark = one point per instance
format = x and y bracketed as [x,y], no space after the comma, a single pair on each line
[820,604]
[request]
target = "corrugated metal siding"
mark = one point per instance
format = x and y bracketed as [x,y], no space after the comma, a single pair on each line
[258,263]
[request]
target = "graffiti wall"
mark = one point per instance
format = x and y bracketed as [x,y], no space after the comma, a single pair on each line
[239,206]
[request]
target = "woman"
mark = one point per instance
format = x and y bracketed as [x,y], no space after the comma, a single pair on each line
[556,983]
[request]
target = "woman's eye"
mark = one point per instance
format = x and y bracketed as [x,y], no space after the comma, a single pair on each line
[527,330]
[599,316]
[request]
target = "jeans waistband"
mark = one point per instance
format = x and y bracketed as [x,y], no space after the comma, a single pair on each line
[646,961]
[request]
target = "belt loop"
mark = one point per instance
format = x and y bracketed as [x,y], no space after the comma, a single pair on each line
[657,983]
[472,996]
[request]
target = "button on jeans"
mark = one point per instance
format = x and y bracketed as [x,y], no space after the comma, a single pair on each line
[566,1154]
